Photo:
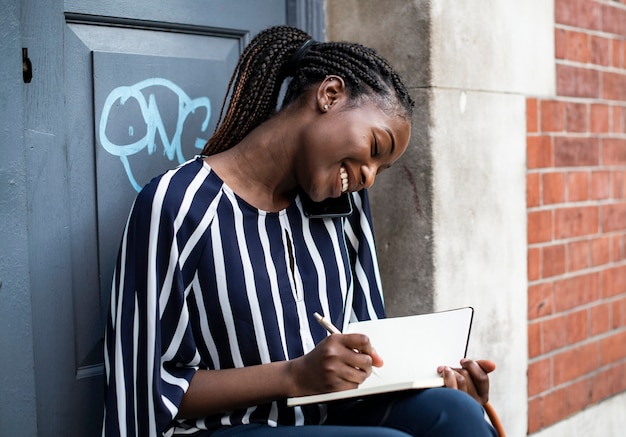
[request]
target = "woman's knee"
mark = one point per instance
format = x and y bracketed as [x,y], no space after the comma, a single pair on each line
[439,411]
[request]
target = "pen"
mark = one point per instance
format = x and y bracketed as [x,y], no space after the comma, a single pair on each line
[333,330]
[326,324]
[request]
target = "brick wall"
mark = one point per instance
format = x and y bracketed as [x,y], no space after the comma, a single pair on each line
[576,198]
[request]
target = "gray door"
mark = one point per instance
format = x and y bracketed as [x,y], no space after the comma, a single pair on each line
[120,92]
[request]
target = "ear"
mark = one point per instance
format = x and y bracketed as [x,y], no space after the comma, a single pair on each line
[331,91]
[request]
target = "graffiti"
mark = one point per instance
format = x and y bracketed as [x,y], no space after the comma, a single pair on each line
[154,124]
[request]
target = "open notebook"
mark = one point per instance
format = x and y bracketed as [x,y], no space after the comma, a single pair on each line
[412,348]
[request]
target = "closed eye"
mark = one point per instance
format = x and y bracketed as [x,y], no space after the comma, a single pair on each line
[375,150]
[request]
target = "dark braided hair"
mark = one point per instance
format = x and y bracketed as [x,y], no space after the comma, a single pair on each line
[282,51]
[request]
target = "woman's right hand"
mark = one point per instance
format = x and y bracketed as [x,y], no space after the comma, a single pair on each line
[339,362]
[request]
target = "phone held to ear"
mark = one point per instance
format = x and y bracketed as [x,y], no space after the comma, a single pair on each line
[332,207]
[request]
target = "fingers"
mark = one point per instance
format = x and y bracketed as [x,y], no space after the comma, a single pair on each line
[364,356]
[349,357]
[487,365]
[471,378]
[452,378]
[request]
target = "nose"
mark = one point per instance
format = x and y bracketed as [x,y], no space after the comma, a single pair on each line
[368,174]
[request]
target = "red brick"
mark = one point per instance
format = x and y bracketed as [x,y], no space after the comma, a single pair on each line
[577,326]
[599,51]
[619,248]
[614,151]
[532,115]
[539,151]
[589,15]
[535,415]
[577,47]
[616,53]
[602,385]
[578,255]
[577,82]
[614,86]
[552,188]
[620,378]
[619,185]
[534,264]
[539,377]
[540,300]
[614,217]
[566,12]
[576,291]
[539,226]
[554,407]
[599,118]
[619,119]
[600,185]
[577,186]
[552,116]
[600,251]
[553,261]
[613,20]
[613,348]
[554,334]
[576,151]
[576,117]
[533,193]
[617,376]
[576,362]
[618,313]
[560,43]
[576,222]
[578,395]
[614,281]
[534,339]
[600,319]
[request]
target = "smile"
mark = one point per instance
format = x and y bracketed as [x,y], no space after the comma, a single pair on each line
[344,179]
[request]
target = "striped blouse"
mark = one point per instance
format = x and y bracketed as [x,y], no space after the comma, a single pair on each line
[204,280]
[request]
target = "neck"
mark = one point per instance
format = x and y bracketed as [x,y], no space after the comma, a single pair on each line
[260,168]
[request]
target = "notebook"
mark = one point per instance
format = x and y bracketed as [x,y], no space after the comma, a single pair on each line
[412,348]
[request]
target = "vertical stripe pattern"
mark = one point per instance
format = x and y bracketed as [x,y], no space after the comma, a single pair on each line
[204,280]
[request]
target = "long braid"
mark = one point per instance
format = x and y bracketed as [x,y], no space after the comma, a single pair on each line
[255,85]
[269,59]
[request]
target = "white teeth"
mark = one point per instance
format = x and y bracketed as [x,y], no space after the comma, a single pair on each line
[344,179]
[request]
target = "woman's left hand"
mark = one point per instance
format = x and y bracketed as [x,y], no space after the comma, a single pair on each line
[472,377]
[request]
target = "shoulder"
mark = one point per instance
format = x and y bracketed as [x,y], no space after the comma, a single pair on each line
[190,184]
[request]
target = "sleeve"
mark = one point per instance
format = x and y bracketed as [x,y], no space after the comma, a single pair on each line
[367,298]
[150,354]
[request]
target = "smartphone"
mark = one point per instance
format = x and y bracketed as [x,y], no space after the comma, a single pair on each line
[331,207]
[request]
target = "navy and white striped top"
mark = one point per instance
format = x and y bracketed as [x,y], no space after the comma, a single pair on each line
[206,281]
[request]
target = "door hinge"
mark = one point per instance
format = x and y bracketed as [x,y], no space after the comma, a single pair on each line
[27,66]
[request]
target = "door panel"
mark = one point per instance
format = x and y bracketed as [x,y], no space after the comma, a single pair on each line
[146,113]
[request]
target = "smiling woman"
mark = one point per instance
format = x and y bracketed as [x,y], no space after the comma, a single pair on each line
[221,270]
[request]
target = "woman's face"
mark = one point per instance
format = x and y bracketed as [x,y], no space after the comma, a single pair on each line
[344,150]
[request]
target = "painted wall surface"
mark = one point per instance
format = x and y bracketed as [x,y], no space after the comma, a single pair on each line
[17,402]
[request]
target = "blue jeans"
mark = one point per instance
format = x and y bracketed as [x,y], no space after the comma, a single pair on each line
[440,412]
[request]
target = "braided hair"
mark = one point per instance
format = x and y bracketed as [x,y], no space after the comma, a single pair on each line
[282,51]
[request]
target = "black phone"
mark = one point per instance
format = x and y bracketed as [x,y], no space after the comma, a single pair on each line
[332,207]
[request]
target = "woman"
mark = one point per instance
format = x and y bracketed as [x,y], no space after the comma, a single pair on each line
[222,266]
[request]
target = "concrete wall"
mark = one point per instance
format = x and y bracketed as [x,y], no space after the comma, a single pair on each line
[452,228]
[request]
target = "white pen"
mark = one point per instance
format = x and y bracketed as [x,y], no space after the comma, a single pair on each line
[326,324]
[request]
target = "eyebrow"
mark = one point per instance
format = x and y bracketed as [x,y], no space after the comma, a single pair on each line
[393,140]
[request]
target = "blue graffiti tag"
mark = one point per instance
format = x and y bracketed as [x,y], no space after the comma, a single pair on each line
[154,123]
